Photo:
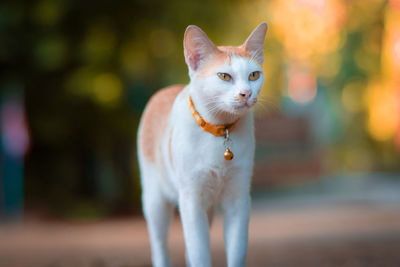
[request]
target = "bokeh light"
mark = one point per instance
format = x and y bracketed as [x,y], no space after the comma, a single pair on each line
[351,94]
[308,28]
[107,88]
[302,86]
[383,111]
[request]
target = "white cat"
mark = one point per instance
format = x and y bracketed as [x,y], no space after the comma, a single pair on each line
[187,137]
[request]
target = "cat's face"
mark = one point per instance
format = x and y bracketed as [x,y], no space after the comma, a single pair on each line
[228,79]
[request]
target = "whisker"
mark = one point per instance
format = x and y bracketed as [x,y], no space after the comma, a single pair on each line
[268,105]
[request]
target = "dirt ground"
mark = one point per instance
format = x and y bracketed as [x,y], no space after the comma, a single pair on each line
[346,234]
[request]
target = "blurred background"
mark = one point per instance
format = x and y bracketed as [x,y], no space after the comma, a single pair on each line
[75,77]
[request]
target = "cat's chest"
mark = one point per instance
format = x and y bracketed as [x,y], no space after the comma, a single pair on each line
[200,150]
[193,150]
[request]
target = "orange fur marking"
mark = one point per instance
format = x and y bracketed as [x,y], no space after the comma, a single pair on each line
[240,51]
[223,56]
[154,120]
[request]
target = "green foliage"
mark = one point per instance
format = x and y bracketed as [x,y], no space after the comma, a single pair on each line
[87,68]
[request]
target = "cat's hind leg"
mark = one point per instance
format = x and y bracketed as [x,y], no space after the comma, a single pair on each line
[158,211]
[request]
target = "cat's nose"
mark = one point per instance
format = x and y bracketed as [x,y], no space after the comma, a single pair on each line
[245,94]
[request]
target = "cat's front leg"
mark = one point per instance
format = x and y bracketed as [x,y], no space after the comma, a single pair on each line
[195,229]
[236,222]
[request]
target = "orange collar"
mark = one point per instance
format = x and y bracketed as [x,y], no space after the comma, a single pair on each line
[217,130]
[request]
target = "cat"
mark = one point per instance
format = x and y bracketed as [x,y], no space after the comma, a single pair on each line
[196,148]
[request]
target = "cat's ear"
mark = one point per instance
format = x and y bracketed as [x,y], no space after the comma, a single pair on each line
[197,47]
[255,43]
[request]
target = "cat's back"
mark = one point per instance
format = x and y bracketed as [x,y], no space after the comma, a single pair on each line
[154,120]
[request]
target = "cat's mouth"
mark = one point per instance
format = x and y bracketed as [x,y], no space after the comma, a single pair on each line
[246,104]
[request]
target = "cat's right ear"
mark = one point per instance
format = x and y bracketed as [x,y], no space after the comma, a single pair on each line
[197,47]
[255,43]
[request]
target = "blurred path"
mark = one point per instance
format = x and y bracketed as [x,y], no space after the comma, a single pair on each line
[293,232]
[355,235]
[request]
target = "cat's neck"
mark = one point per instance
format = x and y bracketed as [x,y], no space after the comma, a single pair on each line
[207,110]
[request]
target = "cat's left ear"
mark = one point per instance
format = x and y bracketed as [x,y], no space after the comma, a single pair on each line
[255,43]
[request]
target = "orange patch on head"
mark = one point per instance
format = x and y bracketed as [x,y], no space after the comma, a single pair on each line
[217,60]
[224,56]
[154,121]
[239,51]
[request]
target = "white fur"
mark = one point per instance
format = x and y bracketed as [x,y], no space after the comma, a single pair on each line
[199,178]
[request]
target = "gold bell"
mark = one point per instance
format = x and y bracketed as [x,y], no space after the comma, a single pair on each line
[228,155]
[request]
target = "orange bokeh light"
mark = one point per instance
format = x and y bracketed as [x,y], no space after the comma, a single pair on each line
[308,27]
[383,110]
[302,86]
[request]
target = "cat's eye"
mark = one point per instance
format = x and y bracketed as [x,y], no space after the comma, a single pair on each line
[254,75]
[224,76]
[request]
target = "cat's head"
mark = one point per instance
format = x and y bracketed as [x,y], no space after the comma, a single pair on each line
[226,79]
